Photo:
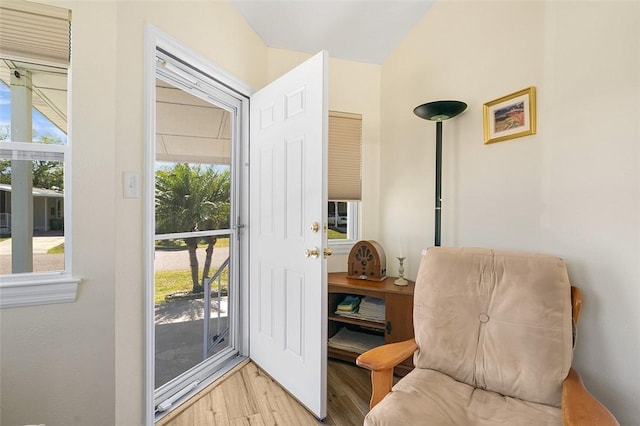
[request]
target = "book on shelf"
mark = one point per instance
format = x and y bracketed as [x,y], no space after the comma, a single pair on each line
[349,304]
[368,309]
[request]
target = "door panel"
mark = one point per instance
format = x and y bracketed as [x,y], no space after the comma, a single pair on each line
[294,201]
[267,193]
[288,152]
[294,295]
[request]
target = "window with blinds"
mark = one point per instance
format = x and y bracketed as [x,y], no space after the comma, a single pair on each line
[33,32]
[345,156]
[345,178]
[35,48]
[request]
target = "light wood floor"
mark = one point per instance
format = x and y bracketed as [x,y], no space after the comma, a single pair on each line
[249,396]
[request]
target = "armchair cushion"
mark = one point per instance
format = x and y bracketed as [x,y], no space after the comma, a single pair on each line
[430,397]
[498,321]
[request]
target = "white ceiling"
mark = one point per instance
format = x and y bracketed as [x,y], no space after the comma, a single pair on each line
[363,31]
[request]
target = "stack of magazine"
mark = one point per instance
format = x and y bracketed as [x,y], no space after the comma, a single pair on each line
[353,341]
[366,308]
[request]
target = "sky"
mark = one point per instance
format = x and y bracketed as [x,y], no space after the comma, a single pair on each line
[41,125]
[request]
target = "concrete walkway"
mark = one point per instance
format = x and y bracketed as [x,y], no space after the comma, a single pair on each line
[165,260]
[174,260]
[41,245]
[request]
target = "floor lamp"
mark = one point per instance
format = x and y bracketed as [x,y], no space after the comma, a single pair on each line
[439,111]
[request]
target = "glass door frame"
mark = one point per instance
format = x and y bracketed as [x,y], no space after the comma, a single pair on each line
[187,67]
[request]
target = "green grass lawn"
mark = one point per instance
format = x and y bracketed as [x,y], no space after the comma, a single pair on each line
[56,250]
[170,282]
[335,235]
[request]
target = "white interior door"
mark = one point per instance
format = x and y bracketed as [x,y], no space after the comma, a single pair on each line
[288,193]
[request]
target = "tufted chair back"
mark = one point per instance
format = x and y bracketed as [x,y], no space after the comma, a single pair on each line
[500,321]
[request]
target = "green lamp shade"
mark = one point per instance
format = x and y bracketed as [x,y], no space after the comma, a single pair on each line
[439,110]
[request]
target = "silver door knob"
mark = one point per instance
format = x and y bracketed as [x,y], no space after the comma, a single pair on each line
[313,253]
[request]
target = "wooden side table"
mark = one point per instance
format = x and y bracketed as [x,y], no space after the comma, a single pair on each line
[398,321]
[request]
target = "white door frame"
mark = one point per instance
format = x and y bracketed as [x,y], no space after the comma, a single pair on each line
[154,39]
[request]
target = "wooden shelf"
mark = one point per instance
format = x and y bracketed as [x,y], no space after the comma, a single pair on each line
[398,312]
[338,282]
[355,321]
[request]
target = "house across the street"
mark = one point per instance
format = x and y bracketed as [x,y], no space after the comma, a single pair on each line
[48,209]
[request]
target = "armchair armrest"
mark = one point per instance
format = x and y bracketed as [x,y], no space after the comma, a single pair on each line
[579,407]
[380,361]
[387,356]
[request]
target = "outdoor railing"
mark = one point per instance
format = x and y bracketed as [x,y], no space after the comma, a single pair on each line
[209,344]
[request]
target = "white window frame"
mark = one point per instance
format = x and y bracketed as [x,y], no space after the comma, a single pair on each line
[46,41]
[343,246]
[42,288]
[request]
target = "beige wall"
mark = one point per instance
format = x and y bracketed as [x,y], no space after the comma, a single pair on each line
[82,363]
[573,189]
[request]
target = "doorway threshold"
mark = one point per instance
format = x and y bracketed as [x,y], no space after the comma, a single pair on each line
[227,370]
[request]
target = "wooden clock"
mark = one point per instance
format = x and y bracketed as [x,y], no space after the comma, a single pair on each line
[367,261]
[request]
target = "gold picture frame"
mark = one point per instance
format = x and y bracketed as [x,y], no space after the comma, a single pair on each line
[510,116]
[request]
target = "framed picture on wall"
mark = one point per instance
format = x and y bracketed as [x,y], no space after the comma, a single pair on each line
[510,116]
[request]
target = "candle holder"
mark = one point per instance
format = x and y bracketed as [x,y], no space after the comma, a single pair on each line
[401,280]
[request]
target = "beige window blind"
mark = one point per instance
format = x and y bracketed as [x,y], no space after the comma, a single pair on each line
[34,32]
[345,156]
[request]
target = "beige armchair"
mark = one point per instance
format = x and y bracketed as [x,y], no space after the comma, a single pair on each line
[493,346]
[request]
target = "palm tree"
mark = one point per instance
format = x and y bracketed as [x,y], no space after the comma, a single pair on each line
[191,198]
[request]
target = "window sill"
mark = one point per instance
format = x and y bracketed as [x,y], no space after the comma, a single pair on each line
[341,246]
[37,289]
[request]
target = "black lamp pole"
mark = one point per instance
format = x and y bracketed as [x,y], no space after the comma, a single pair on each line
[438,203]
[439,111]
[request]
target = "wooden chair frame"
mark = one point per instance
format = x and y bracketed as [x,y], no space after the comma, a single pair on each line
[579,407]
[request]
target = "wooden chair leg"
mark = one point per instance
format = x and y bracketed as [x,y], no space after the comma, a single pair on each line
[381,382]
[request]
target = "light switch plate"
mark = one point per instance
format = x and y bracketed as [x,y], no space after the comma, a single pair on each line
[130,185]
